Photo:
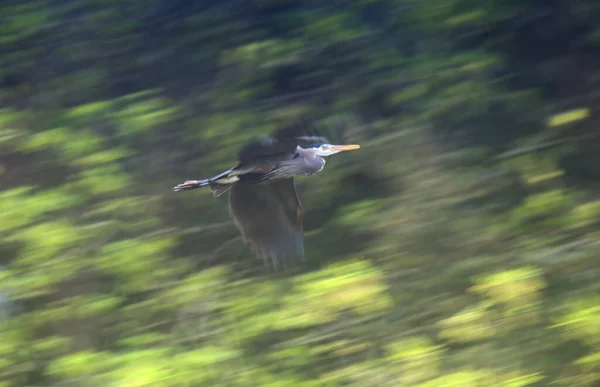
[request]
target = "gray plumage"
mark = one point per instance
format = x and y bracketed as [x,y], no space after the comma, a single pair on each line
[263,201]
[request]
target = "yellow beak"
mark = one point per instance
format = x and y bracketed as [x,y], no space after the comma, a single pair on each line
[341,148]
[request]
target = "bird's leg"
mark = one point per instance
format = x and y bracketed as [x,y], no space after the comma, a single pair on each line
[190,184]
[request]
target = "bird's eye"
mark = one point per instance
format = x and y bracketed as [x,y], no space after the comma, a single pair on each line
[323,147]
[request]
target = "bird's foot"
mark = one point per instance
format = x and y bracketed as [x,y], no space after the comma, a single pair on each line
[188,184]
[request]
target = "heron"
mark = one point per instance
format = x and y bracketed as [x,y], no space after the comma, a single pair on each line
[263,200]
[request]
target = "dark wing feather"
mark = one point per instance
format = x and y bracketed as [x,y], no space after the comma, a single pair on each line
[269,217]
[304,129]
[301,127]
[284,140]
[264,147]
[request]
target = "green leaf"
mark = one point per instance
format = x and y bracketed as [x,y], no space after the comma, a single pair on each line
[569,117]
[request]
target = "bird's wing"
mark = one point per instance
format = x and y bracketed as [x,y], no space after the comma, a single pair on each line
[265,147]
[284,140]
[304,129]
[269,217]
[301,129]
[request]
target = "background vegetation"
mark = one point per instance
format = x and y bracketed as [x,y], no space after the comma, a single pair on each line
[459,247]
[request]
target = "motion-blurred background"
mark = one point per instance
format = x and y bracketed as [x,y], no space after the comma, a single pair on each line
[458,247]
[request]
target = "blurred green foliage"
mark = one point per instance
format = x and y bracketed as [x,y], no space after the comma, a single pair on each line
[457,248]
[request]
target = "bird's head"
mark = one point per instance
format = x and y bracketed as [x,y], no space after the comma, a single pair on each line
[324,150]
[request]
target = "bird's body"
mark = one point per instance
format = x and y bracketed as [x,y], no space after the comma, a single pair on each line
[263,200]
[300,162]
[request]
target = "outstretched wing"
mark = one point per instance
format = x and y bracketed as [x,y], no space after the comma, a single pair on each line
[284,140]
[269,217]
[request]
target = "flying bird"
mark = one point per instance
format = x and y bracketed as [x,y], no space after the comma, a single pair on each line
[263,201]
